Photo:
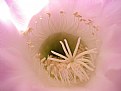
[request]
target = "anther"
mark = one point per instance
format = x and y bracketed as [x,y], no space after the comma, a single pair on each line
[75,14]
[30,44]
[38,55]
[59,55]
[48,14]
[29,30]
[61,12]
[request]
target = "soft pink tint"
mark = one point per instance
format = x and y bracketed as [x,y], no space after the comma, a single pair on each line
[22,11]
[16,69]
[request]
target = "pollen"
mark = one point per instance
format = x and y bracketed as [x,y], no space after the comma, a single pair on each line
[72,67]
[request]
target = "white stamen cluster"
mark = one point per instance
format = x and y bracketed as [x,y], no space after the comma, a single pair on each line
[72,67]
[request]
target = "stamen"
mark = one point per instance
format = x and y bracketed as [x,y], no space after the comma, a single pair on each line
[59,55]
[55,59]
[84,72]
[75,14]
[67,46]
[37,55]
[69,65]
[85,65]
[42,60]
[77,71]
[30,44]
[62,80]
[77,46]
[29,30]
[86,52]
[88,61]
[61,12]
[55,74]
[49,14]
[75,80]
[63,46]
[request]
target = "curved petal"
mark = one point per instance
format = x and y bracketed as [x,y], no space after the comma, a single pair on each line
[8,35]
[22,11]
[16,71]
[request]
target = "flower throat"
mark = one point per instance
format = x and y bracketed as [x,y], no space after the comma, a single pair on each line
[66,58]
[67,48]
[53,43]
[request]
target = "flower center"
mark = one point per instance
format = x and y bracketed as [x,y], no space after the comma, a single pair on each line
[67,59]
[53,43]
[65,45]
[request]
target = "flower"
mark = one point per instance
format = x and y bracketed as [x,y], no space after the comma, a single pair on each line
[21,70]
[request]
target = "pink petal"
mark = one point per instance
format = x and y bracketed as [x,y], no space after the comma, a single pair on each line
[16,70]
[8,35]
[16,73]
[22,11]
